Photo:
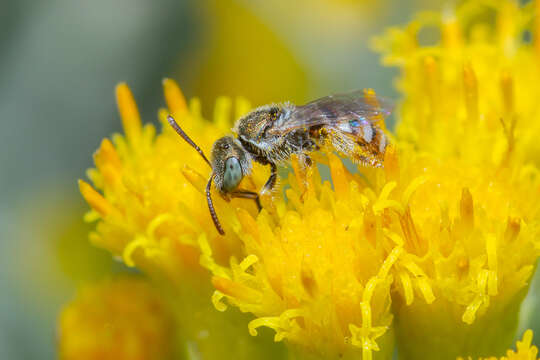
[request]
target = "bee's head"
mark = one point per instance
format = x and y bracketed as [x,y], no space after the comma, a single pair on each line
[230,163]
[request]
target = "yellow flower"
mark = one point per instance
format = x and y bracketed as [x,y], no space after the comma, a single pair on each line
[152,209]
[470,113]
[525,351]
[118,319]
[315,271]
[151,212]
[471,94]
[471,244]
[449,239]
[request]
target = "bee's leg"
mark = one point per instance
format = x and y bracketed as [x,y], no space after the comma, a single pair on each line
[307,161]
[271,182]
[246,194]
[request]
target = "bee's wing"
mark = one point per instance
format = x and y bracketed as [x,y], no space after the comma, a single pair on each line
[334,110]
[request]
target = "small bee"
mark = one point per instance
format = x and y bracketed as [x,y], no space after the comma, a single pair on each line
[349,123]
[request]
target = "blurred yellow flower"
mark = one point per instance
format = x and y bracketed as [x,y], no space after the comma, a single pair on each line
[525,351]
[116,319]
[225,66]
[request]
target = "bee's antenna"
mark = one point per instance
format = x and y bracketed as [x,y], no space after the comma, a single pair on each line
[184,136]
[211,206]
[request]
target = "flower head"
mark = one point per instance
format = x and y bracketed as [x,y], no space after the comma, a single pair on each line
[152,212]
[470,240]
[149,204]
[453,242]
[151,207]
[315,272]
[118,319]
[470,114]
[471,93]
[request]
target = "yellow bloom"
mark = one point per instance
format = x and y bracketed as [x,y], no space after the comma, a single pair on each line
[315,271]
[151,212]
[153,208]
[525,351]
[452,237]
[470,111]
[471,244]
[473,94]
[117,319]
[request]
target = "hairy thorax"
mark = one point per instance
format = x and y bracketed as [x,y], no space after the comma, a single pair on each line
[255,135]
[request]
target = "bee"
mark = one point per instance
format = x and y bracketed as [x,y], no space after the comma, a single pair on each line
[348,123]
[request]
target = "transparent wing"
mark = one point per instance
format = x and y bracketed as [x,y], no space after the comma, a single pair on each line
[334,110]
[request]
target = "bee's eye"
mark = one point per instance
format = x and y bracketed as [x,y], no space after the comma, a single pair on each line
[232,174]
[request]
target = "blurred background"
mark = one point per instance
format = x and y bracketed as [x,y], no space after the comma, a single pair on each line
[59,63]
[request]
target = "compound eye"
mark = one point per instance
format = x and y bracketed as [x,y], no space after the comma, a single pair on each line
[232,174]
